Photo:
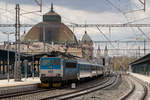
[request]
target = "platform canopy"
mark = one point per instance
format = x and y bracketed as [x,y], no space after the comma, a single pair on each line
[141,65]
[141,60]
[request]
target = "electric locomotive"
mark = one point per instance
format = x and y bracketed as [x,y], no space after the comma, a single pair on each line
[55,70]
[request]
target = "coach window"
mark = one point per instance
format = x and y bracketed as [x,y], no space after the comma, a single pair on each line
[81,67]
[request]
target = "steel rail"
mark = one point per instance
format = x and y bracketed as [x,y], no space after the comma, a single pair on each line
[83,91]
[145,92]
[16,94]
[130,93]
[9,95]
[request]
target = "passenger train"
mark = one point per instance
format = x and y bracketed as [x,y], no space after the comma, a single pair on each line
[57,70]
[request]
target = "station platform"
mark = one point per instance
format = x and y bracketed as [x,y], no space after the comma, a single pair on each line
[143,78]
[12,86]
[12,83]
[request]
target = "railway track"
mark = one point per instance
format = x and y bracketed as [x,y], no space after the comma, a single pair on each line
[17,94]
[102,84]
[84,91]
[138,91]
[22,93]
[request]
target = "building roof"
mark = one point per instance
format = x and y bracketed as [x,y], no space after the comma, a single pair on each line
[52,12]
[62,35]
[143,59]
[50,30]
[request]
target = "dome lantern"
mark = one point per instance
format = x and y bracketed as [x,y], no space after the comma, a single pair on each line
[52,9]
[51,16]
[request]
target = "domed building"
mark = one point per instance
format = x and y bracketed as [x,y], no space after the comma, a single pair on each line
[87,46]
[86,38]
[50,30]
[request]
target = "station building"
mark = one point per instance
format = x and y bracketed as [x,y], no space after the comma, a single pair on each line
[55,34]
[52,30]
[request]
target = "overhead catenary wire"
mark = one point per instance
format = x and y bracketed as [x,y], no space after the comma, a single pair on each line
[120,12]
[118,9]
[131,21]
[12,12]
[105,36]
[143,33]
[137,20]
[39,3]
[11,18]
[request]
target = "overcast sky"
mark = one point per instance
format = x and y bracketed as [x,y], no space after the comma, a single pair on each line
[81,11]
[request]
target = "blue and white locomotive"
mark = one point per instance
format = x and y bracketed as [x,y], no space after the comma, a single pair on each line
[59,70]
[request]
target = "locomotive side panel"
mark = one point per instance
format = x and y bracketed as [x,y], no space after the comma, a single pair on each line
[69,70]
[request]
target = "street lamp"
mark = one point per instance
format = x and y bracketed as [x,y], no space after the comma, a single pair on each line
[8,53]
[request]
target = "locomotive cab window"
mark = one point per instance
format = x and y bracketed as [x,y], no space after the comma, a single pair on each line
[45,62]
[70,65]
[55,62]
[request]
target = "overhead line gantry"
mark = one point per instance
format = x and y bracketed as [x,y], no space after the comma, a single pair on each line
[83,25]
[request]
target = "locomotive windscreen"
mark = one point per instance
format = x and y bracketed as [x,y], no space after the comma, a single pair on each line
[70,65]
[55,62]
[45,62]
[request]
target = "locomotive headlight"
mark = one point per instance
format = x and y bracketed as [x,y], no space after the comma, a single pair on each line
[43,75]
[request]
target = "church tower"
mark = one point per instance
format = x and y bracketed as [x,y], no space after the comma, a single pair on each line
[98,54]
[105,52]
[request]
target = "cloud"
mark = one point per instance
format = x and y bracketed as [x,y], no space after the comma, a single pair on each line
[77,11]
[86,5]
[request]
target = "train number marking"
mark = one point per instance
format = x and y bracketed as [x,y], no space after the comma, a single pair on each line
[50,71]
